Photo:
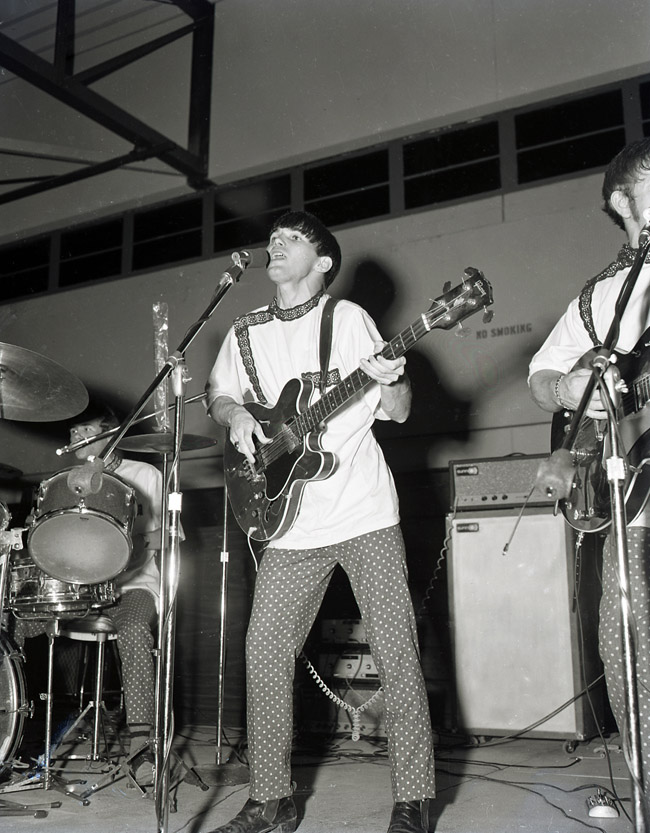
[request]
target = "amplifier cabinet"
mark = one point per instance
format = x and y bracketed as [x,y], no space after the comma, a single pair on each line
[521,645]
[495,482]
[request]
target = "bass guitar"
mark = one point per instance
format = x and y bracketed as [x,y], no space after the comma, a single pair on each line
[265,496]
[587,508]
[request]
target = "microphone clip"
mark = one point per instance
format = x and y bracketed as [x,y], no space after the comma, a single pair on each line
[86,479]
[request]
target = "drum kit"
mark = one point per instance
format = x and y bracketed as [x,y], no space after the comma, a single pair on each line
[77,541]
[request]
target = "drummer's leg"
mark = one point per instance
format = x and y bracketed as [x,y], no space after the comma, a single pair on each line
[22,629]
[133,616]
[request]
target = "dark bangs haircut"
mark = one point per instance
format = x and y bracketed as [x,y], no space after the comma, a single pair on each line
[318,234]
[97,410]
[627,167]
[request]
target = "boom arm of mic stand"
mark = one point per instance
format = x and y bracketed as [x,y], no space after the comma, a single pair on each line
[227,280]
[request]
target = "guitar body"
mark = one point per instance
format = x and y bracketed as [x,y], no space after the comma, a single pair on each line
[588,507]
[266,498]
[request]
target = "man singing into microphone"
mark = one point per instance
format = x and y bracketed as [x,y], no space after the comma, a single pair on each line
[349,518]
[555,384]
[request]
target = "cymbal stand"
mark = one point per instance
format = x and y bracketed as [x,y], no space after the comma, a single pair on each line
[560,488]
[225,772]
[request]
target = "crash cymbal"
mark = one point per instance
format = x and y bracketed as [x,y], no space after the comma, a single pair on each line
[34,388]
[163,443]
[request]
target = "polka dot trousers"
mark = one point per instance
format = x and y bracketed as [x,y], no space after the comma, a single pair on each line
[610,641]
[133,616]
[289,590]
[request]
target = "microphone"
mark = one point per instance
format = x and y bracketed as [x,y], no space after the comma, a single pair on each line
[242,260]
[644,235]
[87,479]
[251,258]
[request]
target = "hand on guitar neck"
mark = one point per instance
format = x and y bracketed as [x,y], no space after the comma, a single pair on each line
[395,386]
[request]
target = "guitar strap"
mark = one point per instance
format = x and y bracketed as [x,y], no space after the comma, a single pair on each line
[326,325]
[624,259]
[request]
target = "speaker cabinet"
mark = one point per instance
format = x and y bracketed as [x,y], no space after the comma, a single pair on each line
[523,638]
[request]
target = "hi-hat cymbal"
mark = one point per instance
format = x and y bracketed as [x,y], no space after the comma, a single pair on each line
[163,443]
[34,388]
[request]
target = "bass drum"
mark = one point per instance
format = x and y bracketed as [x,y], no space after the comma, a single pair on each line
[13,700]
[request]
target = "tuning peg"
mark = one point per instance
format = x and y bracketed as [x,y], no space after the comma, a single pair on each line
[446,286]
[488,315]
[462,332]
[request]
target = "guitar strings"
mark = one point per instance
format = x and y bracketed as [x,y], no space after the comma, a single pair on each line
[308,420]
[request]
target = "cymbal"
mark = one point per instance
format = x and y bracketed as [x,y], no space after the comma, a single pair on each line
[163,442]
[34,388]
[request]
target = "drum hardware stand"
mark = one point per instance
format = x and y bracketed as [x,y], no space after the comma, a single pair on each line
[100,716]
[46,778]
[556,478]
[12,539]
[199,397]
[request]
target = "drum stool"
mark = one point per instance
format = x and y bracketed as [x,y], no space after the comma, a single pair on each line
[100,630]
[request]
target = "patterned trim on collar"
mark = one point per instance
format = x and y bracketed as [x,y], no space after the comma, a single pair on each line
[295,312]
[243,324]
[241,327]
[624,258]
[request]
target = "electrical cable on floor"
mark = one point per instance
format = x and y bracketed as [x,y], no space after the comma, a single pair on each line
[527,789]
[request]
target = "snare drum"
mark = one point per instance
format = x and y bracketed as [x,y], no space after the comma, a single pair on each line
[34,595]
[84,539]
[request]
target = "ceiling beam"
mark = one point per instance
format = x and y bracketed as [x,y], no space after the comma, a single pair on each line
[57,79]
[48,183]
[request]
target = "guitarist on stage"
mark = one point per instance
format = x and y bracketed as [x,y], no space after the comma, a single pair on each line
[556,385]
[350,518]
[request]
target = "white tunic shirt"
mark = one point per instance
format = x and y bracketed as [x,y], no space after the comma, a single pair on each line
[260,354]
[142,571]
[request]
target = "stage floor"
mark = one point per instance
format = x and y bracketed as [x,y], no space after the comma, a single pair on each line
[488,786]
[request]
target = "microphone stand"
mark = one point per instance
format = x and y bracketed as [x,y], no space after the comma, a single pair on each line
[169,572]
[616,467]
[87,479]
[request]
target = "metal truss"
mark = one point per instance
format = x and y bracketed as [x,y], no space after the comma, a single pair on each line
[59,80]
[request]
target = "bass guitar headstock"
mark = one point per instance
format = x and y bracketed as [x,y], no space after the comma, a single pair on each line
[473,294]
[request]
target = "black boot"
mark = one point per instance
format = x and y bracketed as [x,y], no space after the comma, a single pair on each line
[263,816]
[409,817]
